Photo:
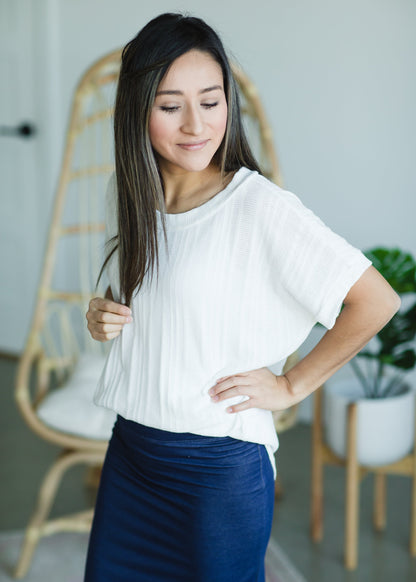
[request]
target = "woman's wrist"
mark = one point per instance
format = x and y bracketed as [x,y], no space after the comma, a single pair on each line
[288,393]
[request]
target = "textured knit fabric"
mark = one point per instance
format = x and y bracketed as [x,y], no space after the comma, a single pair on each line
[179,507]
[248,274]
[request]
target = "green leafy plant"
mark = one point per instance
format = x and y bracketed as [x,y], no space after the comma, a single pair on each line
[394,349]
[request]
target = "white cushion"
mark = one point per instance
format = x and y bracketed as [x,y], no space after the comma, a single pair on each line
[71,409]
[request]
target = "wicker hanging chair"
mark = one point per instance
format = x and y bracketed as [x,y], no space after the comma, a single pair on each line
[60,365]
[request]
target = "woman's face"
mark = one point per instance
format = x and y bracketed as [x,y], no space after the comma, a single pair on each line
[189,115]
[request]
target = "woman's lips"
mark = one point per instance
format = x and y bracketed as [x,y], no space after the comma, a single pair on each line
[193,146]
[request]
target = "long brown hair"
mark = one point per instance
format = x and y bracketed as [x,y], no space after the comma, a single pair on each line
[145,61]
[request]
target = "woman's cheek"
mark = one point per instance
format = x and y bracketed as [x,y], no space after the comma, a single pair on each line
[153,129]
[222,122]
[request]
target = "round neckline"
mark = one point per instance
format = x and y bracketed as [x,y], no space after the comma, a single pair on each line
[179,219]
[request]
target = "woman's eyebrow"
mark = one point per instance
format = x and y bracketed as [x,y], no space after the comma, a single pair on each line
[176,92]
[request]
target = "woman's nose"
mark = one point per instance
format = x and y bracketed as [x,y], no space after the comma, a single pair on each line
[192,122]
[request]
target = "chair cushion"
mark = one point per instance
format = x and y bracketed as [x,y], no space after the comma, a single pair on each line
[71,409]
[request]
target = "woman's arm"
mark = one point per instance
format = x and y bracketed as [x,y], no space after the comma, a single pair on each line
[368,306]
[106,318]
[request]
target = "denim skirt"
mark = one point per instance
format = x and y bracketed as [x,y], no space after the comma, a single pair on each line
[180,507]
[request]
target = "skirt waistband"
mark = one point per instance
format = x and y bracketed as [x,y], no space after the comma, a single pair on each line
[150,433]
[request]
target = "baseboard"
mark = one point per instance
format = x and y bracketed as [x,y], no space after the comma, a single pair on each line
[9,356]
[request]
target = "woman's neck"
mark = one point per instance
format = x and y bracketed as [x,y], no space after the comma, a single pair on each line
[187,190]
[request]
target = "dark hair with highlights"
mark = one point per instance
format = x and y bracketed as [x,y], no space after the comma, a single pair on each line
[145,61]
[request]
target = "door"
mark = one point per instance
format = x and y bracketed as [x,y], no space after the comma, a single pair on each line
[19,215]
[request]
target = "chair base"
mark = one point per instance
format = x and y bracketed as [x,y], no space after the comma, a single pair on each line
[39,526]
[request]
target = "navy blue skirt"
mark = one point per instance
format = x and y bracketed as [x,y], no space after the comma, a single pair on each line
[180,507]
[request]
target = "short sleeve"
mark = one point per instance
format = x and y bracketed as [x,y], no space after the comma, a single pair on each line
[315,266]
[111,230]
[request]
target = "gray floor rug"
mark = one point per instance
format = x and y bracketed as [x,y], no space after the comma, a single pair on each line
[60,558]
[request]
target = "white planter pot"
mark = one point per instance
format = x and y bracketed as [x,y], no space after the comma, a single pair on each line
[385,427]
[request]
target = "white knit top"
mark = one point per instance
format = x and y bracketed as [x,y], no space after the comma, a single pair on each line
[250,272]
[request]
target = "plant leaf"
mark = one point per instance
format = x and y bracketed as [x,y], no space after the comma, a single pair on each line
[400,329]
[395,347]
[405,360]
[397,266]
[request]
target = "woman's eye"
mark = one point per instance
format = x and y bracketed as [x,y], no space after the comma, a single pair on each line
[173,108]
[169,109]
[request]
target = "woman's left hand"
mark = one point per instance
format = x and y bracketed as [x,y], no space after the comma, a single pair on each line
[263,388]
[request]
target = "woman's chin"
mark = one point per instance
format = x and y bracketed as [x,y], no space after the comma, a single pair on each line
[194,166]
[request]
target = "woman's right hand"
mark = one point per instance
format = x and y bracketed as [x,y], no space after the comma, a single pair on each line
[106,318]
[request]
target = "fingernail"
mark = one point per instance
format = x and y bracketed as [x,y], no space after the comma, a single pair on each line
[215,398]
[229,409]
[129,319]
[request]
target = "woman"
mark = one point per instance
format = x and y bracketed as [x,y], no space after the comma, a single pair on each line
[246,271]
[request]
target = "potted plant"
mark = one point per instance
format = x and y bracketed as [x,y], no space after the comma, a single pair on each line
[386,405]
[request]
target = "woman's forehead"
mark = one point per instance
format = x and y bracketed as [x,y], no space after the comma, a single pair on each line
[194,70]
